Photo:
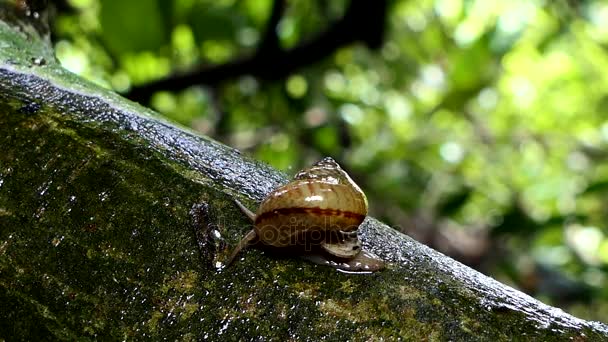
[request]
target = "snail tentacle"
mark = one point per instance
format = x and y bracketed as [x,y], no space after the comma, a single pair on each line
[249,239]
[245,210]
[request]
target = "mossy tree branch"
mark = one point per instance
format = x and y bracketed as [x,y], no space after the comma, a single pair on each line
[98,223]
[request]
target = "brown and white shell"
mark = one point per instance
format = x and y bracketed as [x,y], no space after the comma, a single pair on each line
[321,206]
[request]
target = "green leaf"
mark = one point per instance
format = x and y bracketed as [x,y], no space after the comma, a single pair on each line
[132,26]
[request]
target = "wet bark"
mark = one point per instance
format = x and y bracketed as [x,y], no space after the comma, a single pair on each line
[111,220]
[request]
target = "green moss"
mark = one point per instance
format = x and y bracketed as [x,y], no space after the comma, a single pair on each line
[98,239]
[93,266]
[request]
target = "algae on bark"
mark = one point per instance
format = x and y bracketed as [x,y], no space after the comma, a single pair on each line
[98,224]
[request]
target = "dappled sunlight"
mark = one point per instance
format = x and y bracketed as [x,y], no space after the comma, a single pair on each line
[484,120]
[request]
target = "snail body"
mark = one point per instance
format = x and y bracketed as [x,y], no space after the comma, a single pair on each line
[321,210]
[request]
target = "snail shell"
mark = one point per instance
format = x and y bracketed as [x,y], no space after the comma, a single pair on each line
[320,200]
[321,206]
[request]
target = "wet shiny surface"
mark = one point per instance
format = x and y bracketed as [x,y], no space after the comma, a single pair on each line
[321,208]
[321,199]
[150,281]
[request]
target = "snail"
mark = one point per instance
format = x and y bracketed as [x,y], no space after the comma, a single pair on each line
[318,213]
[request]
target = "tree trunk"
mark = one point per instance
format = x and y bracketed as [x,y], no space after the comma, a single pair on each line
[103,235]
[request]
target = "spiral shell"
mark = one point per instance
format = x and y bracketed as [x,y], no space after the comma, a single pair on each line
[321,206]
[319,201]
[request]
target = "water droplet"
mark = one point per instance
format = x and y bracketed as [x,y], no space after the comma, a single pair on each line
[39,61]
[44,188]
[103,196]
[57,240]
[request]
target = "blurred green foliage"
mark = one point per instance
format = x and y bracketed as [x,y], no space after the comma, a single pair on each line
[479,128]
